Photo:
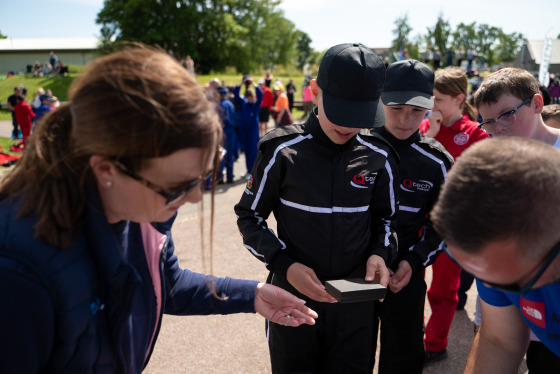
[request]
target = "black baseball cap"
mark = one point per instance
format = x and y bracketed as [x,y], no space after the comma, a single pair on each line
[409,82]
[351,77]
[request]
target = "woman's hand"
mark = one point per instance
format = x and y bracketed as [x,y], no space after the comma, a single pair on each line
[280,306]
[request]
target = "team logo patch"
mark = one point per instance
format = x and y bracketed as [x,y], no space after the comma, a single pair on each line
[250,182]
[361,181]
[461,138]
[410,186]
[533,311]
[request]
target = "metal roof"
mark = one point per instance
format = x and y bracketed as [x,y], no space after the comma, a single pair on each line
[535,48]
[47,44]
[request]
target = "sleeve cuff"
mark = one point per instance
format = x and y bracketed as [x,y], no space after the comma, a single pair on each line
[381,252]
[280,264]
[414,262]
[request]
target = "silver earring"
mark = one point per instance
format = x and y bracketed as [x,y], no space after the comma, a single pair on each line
[108,183]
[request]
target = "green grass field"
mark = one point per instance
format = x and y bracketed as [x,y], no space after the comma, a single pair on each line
[59,86]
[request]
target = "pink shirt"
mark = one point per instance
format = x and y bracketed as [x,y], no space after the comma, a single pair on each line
[307,93]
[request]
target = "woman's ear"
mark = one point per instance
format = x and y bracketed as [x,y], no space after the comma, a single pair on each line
[315,91]
[103,170]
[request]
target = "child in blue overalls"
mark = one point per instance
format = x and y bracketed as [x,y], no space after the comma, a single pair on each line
[248,114]
[230,137]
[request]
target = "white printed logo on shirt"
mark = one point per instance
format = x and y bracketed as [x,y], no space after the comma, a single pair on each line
[461,138]
[533,311]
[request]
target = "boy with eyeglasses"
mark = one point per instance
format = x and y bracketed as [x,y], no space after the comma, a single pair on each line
[510,103]
[515,252]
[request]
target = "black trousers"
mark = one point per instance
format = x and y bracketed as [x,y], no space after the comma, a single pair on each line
[15,131]
[339,342]
[541,360]
[290,101]
[467,280]
[401,320]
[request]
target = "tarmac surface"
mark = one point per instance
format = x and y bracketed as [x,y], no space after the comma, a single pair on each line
[237,343]
[5,129]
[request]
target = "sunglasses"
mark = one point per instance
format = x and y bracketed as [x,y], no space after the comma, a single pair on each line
[515,288]
[171,197]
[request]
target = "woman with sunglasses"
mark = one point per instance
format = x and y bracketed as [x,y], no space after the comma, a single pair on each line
[87,263]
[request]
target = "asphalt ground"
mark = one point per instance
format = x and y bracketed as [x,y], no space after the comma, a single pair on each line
[237,343]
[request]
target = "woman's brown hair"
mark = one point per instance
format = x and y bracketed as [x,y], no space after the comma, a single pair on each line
[453,81]
[132,105]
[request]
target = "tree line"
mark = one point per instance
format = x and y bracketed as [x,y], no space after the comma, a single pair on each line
[491,43]
[252,35]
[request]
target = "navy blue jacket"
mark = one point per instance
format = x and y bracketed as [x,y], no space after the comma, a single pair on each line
[85,309]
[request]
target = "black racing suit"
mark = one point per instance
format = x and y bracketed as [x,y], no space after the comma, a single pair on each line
[335,207]
[423,168]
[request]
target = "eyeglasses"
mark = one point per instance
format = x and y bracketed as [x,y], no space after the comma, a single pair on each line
[171,197]
[514,287]
[505,119]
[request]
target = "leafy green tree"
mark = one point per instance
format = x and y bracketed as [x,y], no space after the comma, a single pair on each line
[215,33]
[485,38]
[464,36]
[277,41]
[439,35]
[304,50]
[401,31]
[508,46]
[2,36]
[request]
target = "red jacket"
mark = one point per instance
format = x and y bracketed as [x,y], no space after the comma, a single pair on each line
[24,117]
[268,98]
[457,137]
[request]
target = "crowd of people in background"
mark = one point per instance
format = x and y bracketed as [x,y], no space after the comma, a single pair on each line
[53,67]
[26,115]
[250,109]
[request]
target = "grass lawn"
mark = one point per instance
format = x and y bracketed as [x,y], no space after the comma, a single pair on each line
[59,86]
[5,144]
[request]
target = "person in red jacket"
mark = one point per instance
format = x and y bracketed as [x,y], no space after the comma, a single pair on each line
[452,123]
[24,116]
[266,104]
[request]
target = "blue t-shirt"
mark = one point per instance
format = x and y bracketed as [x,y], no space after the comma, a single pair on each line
[540,308]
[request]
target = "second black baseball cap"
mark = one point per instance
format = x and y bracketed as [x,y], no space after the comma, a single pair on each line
[409,82]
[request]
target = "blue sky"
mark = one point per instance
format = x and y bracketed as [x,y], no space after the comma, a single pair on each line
[328,22]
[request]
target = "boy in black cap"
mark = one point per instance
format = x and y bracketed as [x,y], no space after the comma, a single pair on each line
[332,186]
[424,163]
